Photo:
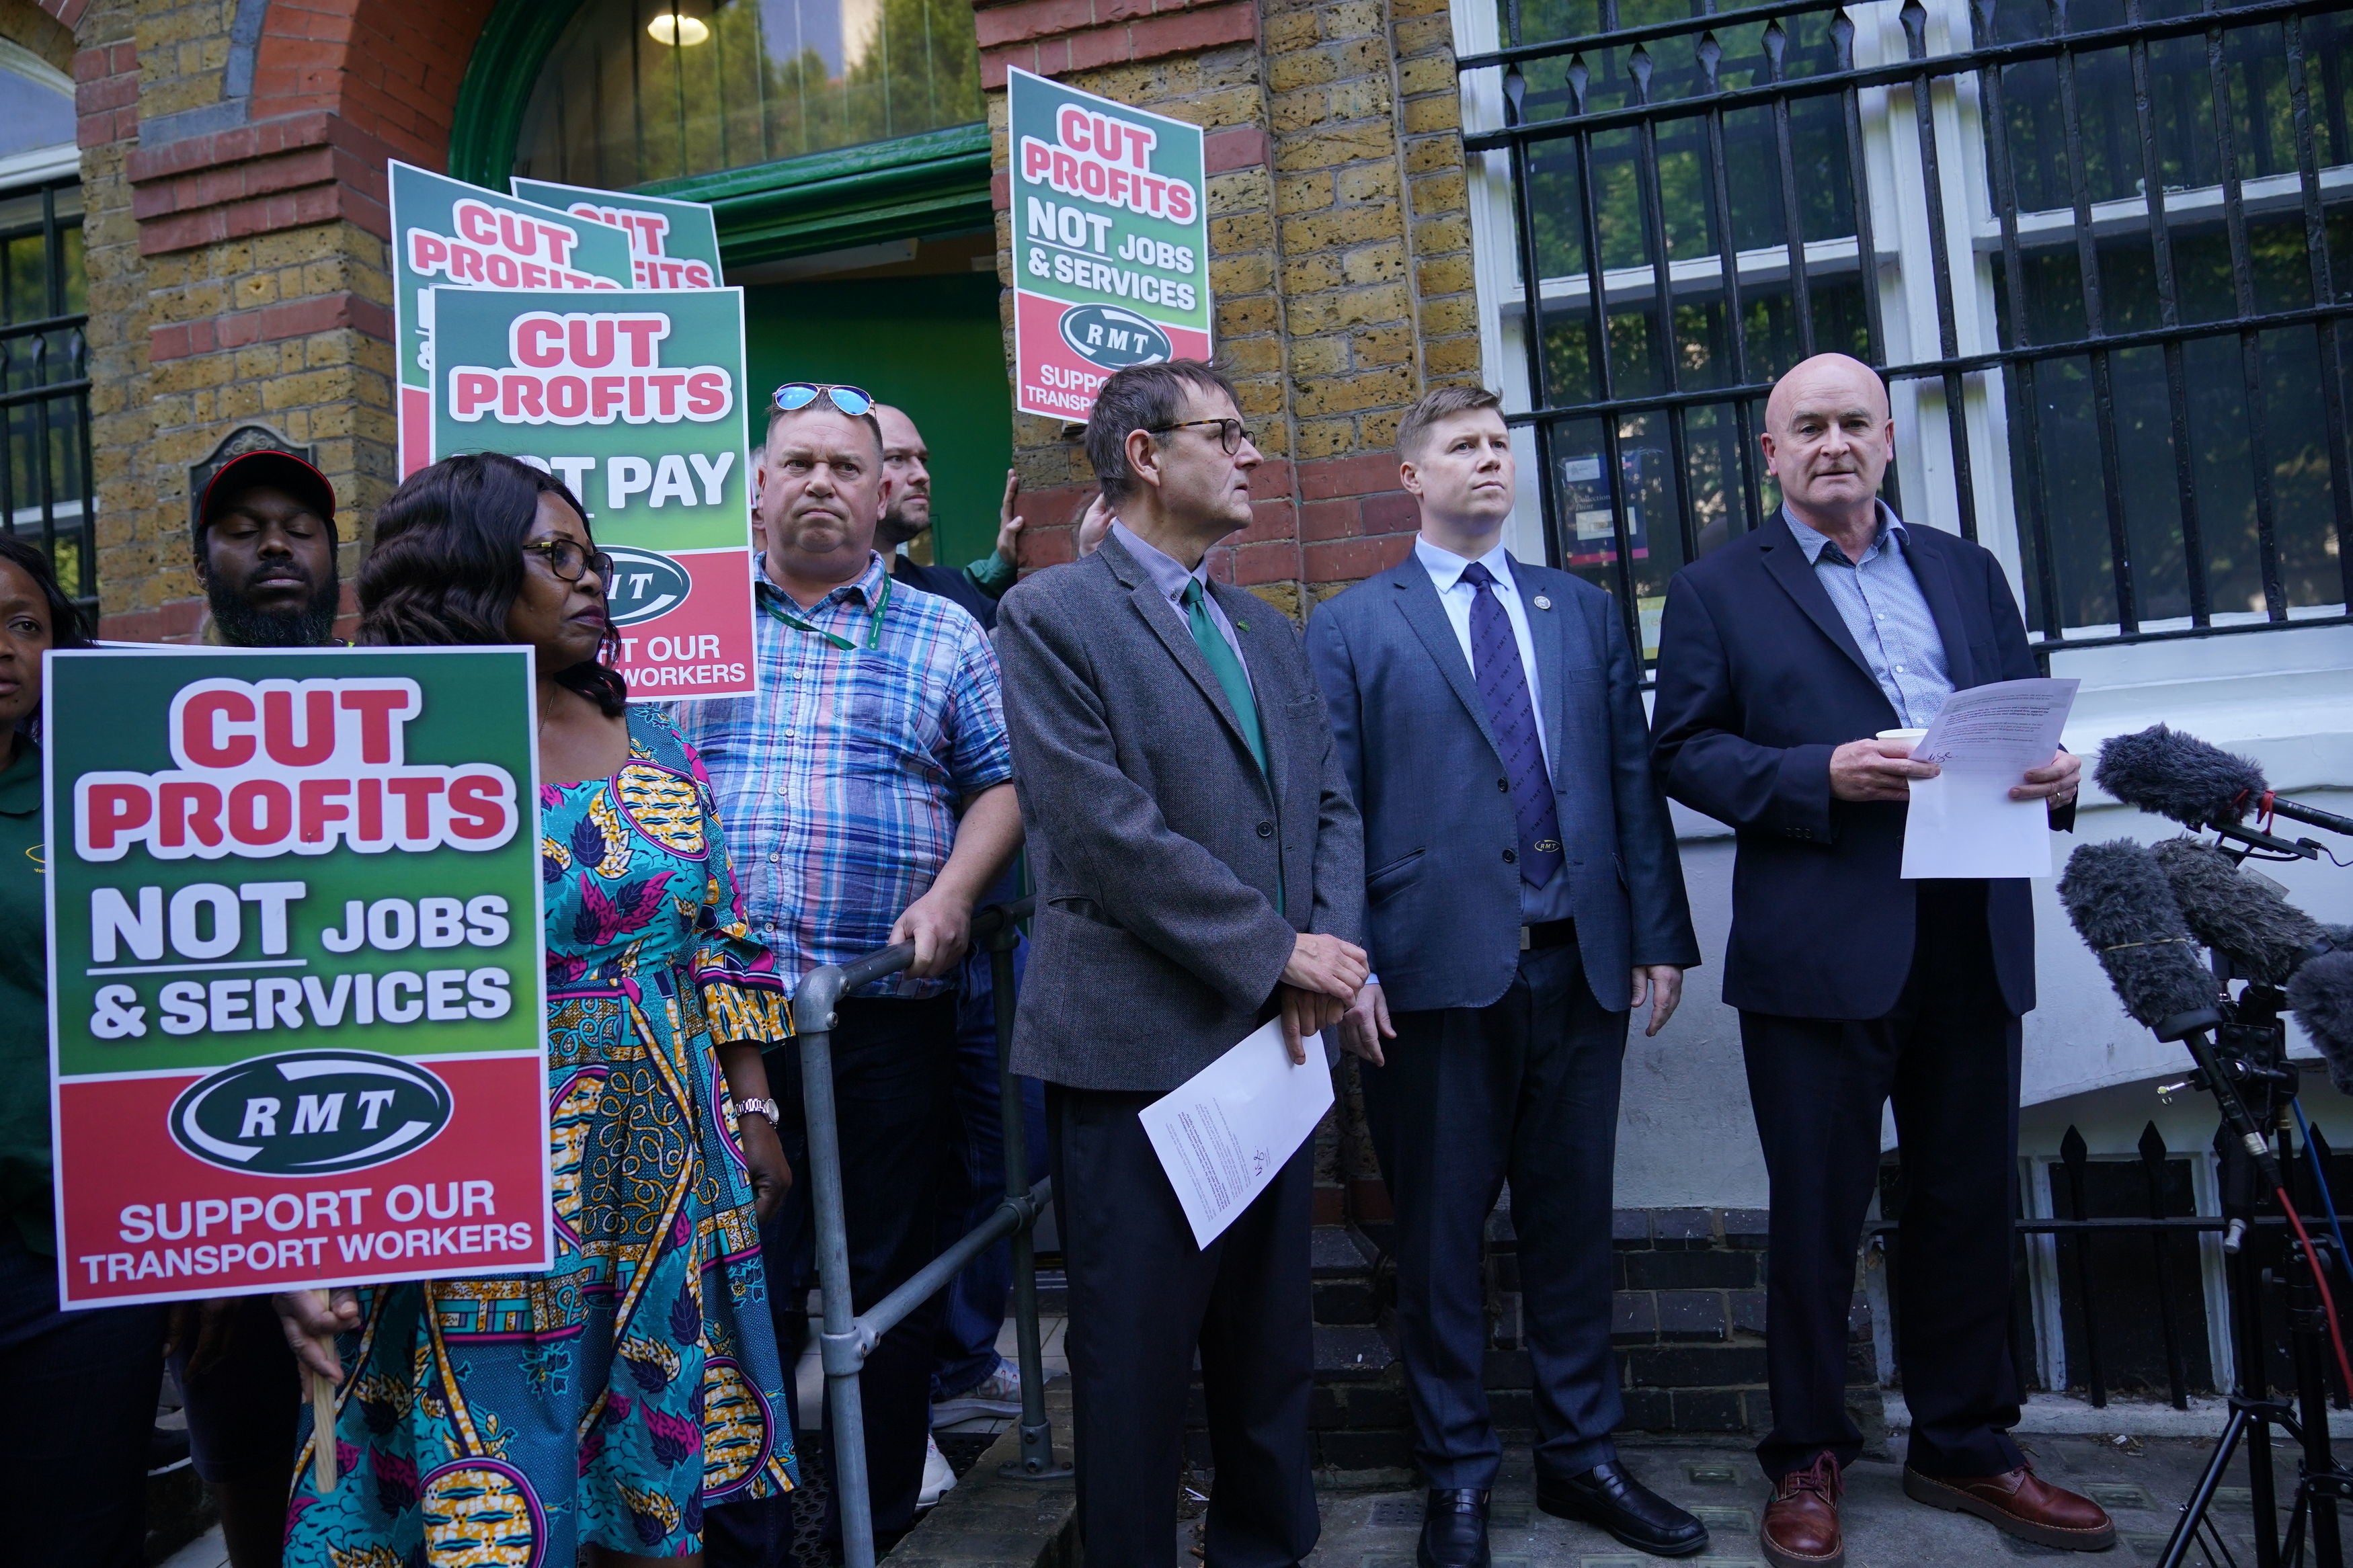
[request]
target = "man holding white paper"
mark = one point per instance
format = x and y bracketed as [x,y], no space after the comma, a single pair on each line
[1783,655]
[1200,875]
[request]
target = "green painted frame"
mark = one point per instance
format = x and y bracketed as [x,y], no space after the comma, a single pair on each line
[935,182]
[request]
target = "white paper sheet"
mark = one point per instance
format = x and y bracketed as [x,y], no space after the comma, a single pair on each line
[1226,1133]
[1963,823]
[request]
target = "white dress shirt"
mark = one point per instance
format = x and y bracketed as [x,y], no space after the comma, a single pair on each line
[1445,569]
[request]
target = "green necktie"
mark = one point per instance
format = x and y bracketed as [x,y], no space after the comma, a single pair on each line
[1226,665]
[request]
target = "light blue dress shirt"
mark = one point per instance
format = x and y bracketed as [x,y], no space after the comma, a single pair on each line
[1881,603]
[1168,575]
[1551,902]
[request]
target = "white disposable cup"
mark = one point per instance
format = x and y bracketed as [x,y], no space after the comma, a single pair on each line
[1911,737]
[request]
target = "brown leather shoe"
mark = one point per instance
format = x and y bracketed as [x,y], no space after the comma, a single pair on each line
[2020,1504]
[1801,1522]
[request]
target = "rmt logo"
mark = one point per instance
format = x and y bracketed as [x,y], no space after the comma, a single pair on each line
[1114,339]
[311,1113]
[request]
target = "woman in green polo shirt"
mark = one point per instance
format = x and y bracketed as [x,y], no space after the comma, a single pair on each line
[73,1457]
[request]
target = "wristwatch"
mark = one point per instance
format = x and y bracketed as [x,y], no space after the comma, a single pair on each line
[766,1108]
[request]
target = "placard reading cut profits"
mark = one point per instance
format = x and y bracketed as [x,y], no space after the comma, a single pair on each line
[296,1005]
[673,244]
[636,400]
[447,232]
[1111,243]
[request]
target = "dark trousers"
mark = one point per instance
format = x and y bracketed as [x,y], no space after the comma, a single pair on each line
[1143,1299]
[1948,1056]
[1524,1090]
[973,1185]
[242,1408]
[893,1064]
[82,1393]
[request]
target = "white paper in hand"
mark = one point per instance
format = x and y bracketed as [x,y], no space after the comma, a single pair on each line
[1227,1132]
[1963,823]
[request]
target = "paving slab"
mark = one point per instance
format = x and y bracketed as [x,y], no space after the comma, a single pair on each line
[2141,1483]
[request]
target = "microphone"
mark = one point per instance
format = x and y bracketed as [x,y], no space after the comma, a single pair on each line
[2172,774]
[2321,995]
[2120,903]
[2239,914]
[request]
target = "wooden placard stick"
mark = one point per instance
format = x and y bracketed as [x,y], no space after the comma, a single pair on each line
[323,1412]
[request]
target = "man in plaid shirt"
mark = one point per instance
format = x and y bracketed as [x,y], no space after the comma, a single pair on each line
[867,799]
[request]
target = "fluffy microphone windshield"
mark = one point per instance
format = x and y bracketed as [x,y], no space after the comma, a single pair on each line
[2322,996]
[2123,908]
[2180,776]
[2265,935]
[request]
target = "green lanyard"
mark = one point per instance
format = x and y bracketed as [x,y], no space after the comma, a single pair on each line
[769,595]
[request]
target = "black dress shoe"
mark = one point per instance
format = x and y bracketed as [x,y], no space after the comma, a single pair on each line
[1607,1496]
[1454,1529]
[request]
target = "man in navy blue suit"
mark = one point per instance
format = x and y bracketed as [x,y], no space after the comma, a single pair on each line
[1782,656]
[1524,897]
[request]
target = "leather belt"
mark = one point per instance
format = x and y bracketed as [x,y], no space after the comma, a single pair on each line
[1550,934]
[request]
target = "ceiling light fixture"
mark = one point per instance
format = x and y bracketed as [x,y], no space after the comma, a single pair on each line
[679,28]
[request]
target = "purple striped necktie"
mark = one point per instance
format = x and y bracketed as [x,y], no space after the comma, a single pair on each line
[1503,687]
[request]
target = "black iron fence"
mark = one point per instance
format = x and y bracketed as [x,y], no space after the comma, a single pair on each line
[2093,243]
[2121,1291]
[45,457]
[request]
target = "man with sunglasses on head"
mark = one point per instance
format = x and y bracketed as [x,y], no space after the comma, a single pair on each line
[1201,872]
[867,797]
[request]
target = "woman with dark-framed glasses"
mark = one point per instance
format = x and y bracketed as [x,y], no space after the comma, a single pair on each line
[592,1412]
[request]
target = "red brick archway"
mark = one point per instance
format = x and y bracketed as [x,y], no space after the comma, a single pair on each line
[333,88]
[261,220]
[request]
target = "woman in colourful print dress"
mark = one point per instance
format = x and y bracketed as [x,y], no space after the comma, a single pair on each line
[592,1412]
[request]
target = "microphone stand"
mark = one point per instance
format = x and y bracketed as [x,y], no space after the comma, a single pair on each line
[2257,1041]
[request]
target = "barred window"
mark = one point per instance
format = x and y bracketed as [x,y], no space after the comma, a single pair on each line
[45,488]
[2106,245]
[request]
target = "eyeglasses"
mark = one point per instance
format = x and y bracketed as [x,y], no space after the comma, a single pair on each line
[1230,431]
[796,396]
[567,560]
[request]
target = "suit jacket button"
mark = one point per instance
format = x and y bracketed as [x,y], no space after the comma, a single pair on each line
[1266,830]
[1511,857]
[1504,785]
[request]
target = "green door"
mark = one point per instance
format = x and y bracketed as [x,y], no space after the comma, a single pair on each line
[933,346]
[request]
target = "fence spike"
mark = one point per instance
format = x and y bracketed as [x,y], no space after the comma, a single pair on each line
[1914,17]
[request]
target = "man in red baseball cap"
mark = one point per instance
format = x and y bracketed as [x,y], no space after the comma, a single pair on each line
[265,546]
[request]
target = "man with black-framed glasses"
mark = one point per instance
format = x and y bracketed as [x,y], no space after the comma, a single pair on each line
[1201,872]
[865,791]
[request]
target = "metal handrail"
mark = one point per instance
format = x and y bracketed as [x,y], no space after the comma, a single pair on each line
[847,1338]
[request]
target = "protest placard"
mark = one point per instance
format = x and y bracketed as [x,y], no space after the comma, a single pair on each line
[1111,243]
[296,996]
[447,232]
[673,244]
[637,403]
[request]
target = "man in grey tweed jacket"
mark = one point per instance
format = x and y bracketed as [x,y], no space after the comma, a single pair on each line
[1200,870]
